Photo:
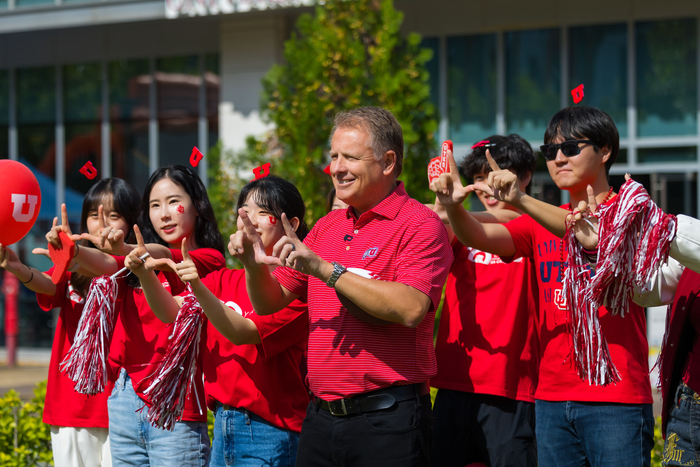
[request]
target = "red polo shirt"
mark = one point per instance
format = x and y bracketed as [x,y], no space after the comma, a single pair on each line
[627,337]
[399,240]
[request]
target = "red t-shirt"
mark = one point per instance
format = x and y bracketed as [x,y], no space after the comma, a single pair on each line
[399,240]
[141,339]
[487,341]
[267,378]
[627,338]
[691,366]
[64,406]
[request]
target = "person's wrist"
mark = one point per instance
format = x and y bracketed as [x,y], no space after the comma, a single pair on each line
[325,270]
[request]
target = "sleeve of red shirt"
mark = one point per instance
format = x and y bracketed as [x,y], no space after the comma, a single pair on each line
[522,231]
[292,280]
[424,258]
[281,330]
[48,302]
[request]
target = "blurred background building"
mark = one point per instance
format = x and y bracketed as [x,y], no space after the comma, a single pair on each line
[134,84]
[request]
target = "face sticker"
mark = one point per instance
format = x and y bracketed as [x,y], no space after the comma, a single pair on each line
[273,220]
[180,210]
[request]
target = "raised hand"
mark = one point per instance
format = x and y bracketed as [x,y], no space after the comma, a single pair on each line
[448,186]
[9,260]
[502,184]
[294,254]
[109,240]
[52,235]
[247,245]
[186,270]
[585,222]
[134,262]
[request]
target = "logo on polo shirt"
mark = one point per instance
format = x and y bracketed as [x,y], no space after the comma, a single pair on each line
[370,253]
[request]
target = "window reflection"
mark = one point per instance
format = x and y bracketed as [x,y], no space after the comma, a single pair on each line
[82,107]
[532,81]
[129,88]
[471,95]
[4,112]
[667,77]
[212,81]
[663,155]
[598,60]
[178,80]
[433,67]
[22,3]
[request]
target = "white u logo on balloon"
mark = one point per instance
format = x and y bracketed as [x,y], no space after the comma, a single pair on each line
[18,201]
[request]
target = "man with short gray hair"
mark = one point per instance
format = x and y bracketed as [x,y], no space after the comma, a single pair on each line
[372,276]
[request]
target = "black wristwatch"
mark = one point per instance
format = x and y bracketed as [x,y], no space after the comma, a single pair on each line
[338,269]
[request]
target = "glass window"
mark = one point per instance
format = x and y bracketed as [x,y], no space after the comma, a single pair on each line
[662,155]
[178,80]
[471,87]
[667,77]
[4,113]
[3,4]
[212,80]
[433,67]
[532,81]
[21,3]
[82,109]
[598,60]
[129,88]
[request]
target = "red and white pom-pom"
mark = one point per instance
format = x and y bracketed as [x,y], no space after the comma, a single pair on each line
[86,361]
[589,349]
[175,376]
[634,240]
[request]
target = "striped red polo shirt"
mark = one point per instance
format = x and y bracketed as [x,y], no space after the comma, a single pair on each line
[399,240]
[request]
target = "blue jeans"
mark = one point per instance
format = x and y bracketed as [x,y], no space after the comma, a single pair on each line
[593,434]
[682,446]
[135,442]
[243,439]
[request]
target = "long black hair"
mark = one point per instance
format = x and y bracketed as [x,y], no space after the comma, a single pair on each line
[125,200]
[206,230]
[276,195]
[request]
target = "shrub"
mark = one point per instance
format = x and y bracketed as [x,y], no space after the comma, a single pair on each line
[24,439]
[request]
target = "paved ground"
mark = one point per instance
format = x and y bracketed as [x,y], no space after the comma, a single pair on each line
[32,367]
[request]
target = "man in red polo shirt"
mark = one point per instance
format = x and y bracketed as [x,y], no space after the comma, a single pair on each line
[372,276]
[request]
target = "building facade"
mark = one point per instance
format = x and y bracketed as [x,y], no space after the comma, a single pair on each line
[130,85]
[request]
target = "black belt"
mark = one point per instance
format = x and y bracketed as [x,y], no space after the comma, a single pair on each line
[375,400]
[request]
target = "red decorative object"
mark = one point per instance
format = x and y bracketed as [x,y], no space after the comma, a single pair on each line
[273,220]
[577,93]
[174,378]
[634,240]
[61,257]
[481,143]
[180,209]
[20,201]
[196,156]
[88,170]
[440,165]
[262,171]
[327,170]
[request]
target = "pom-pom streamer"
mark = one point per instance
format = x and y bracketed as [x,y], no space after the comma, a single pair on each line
[175,377]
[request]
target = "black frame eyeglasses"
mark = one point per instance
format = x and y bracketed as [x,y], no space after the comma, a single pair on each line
[568,148]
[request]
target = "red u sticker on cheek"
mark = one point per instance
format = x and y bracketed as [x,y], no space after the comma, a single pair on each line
[273,220]
[180,210]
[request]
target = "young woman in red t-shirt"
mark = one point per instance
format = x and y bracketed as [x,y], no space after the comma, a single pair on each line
[259,417]
[79,423]
[174,206]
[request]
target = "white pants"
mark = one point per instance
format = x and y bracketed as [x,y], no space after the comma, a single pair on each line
[80,447]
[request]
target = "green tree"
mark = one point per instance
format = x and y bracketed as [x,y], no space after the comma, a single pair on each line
[349,54]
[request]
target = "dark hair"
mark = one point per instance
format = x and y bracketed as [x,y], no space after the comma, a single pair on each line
[125,201]
[385,133]
[512,152]
[583,122]
[206,229]
[276,195]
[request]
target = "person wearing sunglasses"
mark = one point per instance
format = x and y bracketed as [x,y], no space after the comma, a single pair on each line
[576,423]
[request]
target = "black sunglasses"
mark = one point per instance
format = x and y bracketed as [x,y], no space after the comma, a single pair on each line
[568,148]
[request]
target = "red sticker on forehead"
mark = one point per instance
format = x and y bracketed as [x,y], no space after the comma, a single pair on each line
[273,220]
[180,209]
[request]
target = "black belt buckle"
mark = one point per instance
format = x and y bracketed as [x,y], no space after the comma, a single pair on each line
[338,408]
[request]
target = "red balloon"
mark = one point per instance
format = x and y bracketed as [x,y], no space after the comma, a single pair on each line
[20,201]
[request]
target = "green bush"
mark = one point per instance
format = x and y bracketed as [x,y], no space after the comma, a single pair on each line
[24,439]
[658,449]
